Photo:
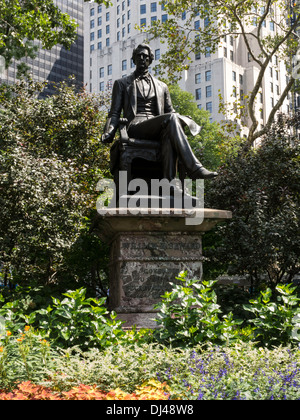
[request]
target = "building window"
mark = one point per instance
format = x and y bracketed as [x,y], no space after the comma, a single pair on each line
[92,48]
[231,55]
[197,78]
[92,36]
[241,79]
[101,86]
[208,91]
[209,107]
[99,20]
[157,54]
[153,7]
[143,9]
[99,33]
[153,19]
[101,72]
[197,24]
[234,76]
[107,16]
[198,94]
[92,24]
[164,18]
[143,22]
[124,65]
[99,45]
[92,12]
[225,52]
[272,26]
[207,52]
[208,75]
[109,69]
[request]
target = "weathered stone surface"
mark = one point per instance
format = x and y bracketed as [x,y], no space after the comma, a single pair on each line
[148,251]
[143,264]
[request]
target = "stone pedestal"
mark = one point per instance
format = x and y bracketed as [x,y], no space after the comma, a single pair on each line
[147,253]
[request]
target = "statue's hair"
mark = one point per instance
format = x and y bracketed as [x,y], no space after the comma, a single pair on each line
[141,46]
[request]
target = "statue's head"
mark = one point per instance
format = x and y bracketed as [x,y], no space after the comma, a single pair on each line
[139,48]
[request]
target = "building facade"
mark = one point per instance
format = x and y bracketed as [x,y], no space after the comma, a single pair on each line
[57,64]
[229,73]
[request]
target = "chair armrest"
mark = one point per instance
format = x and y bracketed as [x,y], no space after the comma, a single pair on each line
[123,130]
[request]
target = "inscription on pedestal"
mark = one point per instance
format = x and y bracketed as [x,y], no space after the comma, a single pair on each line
[147,263]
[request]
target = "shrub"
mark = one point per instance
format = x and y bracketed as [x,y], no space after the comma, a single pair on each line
[80,321]
[276,322]
[189,314]
[74,320]
[24,357]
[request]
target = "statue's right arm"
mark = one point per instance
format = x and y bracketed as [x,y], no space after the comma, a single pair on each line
[114,113]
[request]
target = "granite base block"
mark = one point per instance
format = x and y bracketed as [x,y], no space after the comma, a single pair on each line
[147,254]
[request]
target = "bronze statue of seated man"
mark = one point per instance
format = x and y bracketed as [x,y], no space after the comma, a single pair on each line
[146,105]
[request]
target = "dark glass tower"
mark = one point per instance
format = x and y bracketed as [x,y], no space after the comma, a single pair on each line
[57,64]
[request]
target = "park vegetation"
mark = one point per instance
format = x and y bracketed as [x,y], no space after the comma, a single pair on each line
[57,338]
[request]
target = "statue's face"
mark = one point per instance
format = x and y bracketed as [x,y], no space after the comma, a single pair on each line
[142,59]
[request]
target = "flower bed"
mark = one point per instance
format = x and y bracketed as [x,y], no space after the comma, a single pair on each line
[153,390]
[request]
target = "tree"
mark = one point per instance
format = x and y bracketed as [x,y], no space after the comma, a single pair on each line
[24,21]
[245,20]
[262,191]
[51,160]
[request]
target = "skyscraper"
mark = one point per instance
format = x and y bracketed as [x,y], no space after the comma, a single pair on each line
[58,63]
[110,36]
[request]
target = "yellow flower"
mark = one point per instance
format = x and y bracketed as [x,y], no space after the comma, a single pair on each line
[8,333]
[1,349]
[27,328]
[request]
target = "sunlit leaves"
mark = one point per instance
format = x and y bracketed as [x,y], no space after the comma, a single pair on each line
[23,22]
